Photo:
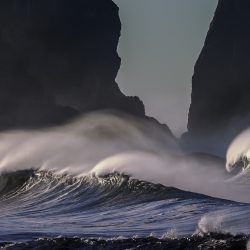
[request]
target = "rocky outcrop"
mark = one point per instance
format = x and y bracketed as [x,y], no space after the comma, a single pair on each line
[220,106]
[59,59]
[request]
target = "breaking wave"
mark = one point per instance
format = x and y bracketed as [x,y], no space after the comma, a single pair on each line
[111,175]
[238,156]
[99,144]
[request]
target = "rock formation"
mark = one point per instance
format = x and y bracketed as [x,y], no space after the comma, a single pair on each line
[59,59]
[220,106]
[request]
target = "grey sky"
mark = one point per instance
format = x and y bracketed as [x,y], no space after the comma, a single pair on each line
[160,42]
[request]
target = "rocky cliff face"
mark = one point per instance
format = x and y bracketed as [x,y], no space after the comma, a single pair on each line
[59,59]
[220,105]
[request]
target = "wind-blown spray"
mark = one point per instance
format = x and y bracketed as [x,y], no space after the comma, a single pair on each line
[99,144]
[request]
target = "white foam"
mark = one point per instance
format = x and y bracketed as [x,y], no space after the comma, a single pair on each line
[210,224]
[240,147]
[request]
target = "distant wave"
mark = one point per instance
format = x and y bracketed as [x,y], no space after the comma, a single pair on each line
[238,157]
[108,175]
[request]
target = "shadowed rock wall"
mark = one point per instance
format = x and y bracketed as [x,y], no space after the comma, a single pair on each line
[59,59]
[220,106]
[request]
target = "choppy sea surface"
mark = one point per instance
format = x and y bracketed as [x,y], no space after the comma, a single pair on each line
[45,209]
[115,192]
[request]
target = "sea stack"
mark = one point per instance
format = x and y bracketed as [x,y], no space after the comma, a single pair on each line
[59,59]
[220,105]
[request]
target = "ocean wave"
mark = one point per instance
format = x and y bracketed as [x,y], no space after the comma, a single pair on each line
[107,176]
[43,201]
[99,144]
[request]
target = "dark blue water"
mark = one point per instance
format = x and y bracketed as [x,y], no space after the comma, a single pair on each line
[36,204]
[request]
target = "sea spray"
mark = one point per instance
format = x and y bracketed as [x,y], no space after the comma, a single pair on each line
[77,147]
[98,144]
[210,224]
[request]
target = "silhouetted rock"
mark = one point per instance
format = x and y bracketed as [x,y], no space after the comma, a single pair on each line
[59,59]
[220,106]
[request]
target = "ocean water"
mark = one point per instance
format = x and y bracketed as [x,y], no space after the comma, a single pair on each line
[112,182]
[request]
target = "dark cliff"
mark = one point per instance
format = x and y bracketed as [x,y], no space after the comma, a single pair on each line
[59,59]
[220,106]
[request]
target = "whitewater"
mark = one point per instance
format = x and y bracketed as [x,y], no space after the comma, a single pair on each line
[114,177]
